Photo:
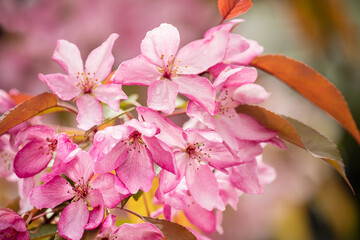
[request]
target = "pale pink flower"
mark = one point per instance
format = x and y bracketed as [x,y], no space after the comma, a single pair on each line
[140,231]
[84,84]
[168,71]
[131,149]
[104,191]
[7,156]
[12,226]
[197,152]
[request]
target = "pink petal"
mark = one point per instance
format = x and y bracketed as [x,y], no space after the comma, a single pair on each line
[194,110]
[160,44]
[200,217]
[6,103]
[162,95]
[68,56]
[167,183]
[100,60]
[112,189]
[145,128]
[90,112]
[32,159]
[51,193]
[25,186]
[198,89]
[141,231]
[98,212]
[78,166]
[171,134]
[137,71]
[245,178]
[111,94]
[250,94]
[228,26]
[12,226]
[235,77]
[203,187]
[34,133]
[161,153]
[108,226]
[73,219]
[112,160]
[197,56]
[242,51]
[137,164]
[267,174]
[61,85]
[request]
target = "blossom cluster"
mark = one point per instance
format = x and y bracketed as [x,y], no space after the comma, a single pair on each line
[201,166]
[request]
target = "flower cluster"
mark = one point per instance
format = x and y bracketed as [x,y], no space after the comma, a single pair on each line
[201,167]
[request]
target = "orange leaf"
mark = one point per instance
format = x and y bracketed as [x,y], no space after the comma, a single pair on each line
[232,8]
[27,110]
[311,85]
[300,135]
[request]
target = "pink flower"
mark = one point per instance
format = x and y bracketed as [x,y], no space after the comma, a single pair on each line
[7,156]
[12,226]
[39,145]
[104,191]
[239,52]
[197,152]
[141,231]
[131,149]
[168,71]
[85,84]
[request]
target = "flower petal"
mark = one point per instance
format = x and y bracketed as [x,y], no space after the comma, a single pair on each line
[100,60]
[112,160]
[137,71]
[140,231]
[160,44]
[194,110]
[51,193]
[198,89]
[162,95]
[203,187]
[61,85]
[98,212]
[111,94]
[112,189]
[245,178]
[197,56]
[68,56]
[32,159]
[250,94]
[200,217]
[139,164]
[73,219]
[161,153]
[78,166]
[235,77]
[90,112]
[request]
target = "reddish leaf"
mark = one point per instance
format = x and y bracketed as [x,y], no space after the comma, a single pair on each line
[171,231]
[311,85]
[232,8]
[299,134]
[27,110]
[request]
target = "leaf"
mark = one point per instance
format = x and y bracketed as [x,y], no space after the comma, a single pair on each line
[299,134]
[27,110]
[311,85]
[171,231]
[46,230]
[137,195]
[232,8]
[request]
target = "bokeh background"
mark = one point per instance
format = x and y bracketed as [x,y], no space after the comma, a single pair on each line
[308,200]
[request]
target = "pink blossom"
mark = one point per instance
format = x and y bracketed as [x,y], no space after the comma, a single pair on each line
[39,145]
[168,71]
[197,152]
[131,149]
[141,231]
[7,156]
[239,52]
[104,191]
[12,226]
[84,84]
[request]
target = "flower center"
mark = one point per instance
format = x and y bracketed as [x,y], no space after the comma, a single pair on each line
[86,81]
[196,151]
[81,189]
[135,140]
[226,105]
[8,234]
[170,68]
[52,145]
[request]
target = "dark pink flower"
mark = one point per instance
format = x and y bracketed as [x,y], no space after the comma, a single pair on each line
[12,226]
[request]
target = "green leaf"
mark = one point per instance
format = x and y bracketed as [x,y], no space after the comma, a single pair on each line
[44,231]
[172,231]
[137,195]
[300,135]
